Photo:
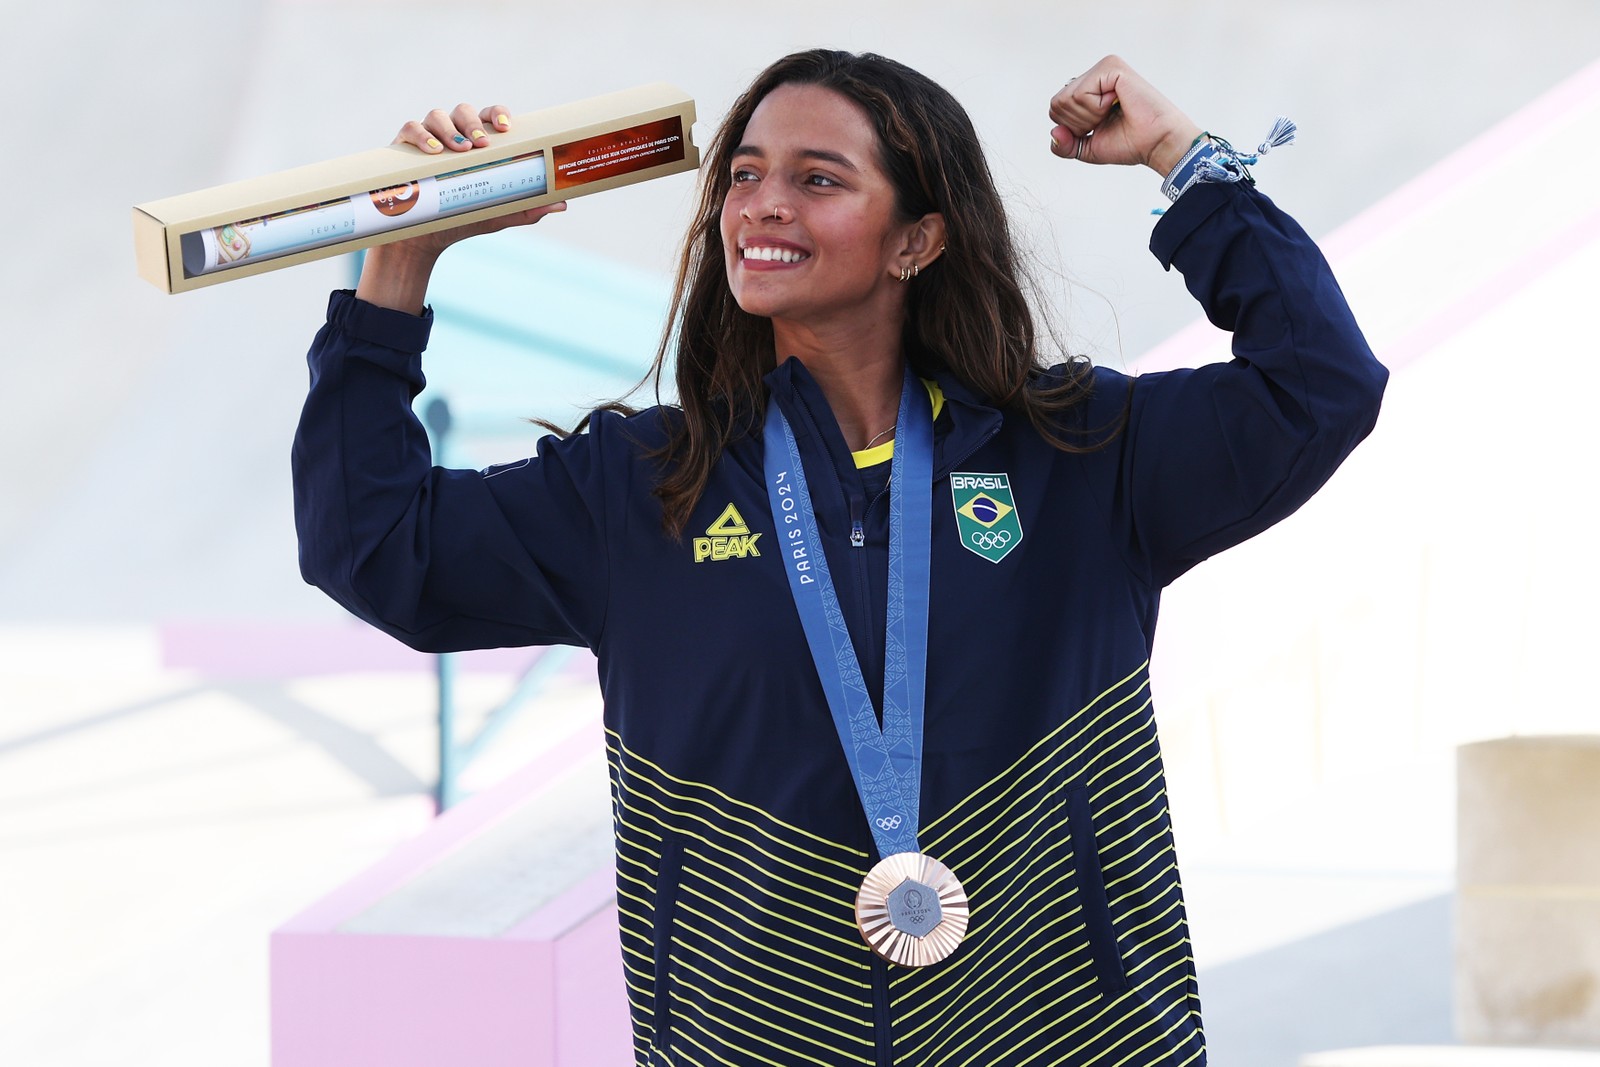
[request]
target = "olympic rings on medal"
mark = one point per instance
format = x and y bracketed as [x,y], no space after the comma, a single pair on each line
[890,823]
[990,539]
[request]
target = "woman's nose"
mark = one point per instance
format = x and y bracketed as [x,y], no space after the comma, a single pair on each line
[768,205]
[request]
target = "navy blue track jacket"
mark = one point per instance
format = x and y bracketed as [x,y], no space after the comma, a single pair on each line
[740,839]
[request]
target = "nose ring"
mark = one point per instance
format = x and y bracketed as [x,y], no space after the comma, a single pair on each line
[775,212]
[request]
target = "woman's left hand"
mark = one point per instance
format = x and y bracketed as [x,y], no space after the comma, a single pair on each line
[1109,114]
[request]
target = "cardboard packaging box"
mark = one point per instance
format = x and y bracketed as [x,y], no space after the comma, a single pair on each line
[389,193]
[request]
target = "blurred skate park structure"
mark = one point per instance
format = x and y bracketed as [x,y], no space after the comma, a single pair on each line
[217,803]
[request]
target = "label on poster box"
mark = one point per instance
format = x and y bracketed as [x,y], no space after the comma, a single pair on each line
[622,152]
[318,225]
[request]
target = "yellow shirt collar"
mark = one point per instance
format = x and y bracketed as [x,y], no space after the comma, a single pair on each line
[871,457]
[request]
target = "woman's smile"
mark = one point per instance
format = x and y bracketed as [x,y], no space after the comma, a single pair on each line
[771,254]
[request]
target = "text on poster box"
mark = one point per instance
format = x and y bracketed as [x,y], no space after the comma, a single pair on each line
[621,152]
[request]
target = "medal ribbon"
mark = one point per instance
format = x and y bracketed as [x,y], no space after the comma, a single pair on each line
[886,763]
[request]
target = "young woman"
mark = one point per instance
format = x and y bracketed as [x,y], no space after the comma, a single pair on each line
[873,602]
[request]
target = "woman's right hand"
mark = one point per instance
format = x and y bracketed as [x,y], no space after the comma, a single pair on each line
[395,275]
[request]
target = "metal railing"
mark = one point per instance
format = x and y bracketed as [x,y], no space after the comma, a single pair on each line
[454,755]
[596,329]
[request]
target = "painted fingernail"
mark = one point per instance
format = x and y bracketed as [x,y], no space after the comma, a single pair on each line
[501,120]
[460,139]
[433,142]
[477,134]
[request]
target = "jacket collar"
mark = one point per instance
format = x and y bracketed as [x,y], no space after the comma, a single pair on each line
[965,424]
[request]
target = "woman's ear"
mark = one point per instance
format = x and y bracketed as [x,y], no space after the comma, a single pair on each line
[924,243]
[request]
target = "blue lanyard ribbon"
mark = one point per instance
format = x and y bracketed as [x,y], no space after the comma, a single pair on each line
[886,764]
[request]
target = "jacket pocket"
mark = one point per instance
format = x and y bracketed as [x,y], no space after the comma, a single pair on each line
[1110,979]
[668,872]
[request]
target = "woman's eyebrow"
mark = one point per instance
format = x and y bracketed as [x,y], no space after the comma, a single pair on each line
[820,154]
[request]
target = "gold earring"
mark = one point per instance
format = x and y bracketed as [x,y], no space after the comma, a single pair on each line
[915,270]
[905,274]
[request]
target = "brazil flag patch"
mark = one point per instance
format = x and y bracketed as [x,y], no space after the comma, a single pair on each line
[986,514]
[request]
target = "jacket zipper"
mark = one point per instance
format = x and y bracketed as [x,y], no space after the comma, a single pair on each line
[856,506]
[880,1013]
[859,513]
[863,583]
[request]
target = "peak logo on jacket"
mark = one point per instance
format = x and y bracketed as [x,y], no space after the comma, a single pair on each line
[727,538]
[986,514]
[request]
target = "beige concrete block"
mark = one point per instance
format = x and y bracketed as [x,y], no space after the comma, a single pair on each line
[1449,1056]
[1528,968]
[1529,812]
[1528,901]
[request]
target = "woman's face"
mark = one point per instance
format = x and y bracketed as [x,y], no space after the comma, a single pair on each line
[809,227]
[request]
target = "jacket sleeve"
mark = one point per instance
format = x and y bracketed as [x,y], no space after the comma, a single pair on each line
[1214,455]
[441,559]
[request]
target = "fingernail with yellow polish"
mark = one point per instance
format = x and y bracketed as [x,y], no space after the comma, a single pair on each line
[501,120]
[477,134]
[433,142]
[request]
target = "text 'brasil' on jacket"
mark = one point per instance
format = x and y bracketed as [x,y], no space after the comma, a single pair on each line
[740,840]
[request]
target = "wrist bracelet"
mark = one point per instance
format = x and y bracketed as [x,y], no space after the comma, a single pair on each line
[1187,171]
[1212,159]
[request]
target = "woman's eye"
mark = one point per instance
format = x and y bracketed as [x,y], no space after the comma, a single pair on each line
[821,181]
[742,175]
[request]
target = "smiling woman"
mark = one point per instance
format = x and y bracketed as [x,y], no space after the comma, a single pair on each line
[886,780]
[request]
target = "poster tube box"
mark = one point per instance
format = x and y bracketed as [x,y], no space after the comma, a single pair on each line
[389,193]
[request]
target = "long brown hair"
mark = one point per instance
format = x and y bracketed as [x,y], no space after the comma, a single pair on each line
[966,314]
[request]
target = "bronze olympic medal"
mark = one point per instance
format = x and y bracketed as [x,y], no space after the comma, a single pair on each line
[912,910]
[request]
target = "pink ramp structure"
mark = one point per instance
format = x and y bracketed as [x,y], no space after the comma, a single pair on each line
[491,939]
